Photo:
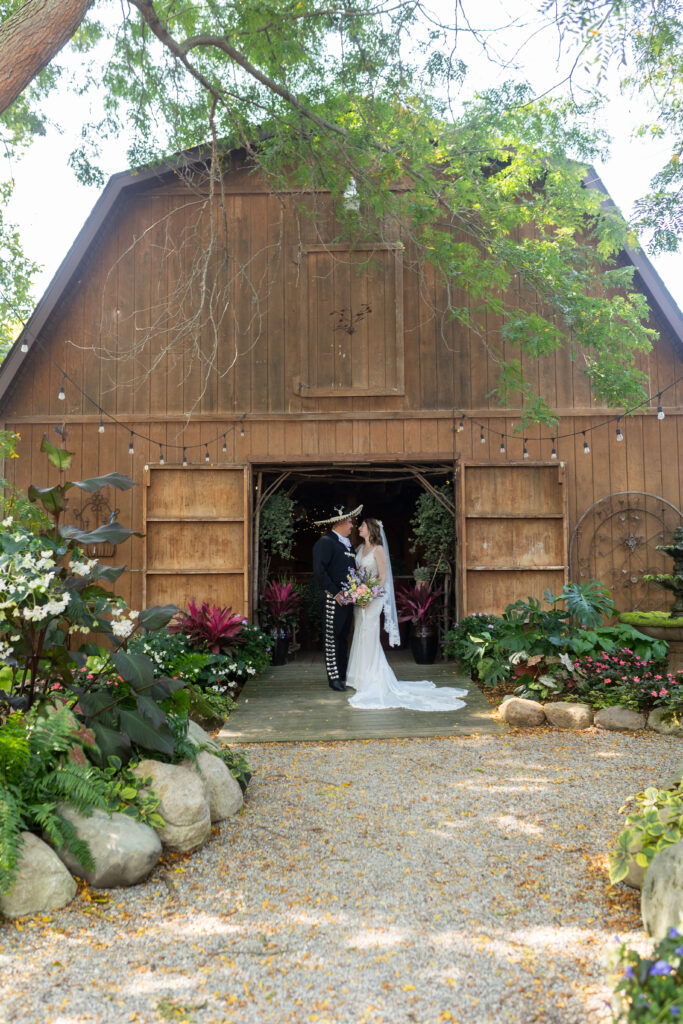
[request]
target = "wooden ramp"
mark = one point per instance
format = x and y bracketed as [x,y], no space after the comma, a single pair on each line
[294,702]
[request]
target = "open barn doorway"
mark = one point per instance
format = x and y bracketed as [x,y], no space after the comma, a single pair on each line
[387,491]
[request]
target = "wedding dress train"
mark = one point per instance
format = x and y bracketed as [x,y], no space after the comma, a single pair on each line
[370,674]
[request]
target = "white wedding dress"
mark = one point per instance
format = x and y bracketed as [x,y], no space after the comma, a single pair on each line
[370,675]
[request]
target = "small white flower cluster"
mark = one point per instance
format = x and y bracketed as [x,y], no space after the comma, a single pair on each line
[83,568]
[44,611]
[122,624]
[7,522]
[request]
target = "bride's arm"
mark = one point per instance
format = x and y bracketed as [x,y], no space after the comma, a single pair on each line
[381,560]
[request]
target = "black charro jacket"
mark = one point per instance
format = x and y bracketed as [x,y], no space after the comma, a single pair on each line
[332,561]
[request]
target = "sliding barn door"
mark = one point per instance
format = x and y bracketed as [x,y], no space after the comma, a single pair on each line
[512,534]
[196,536]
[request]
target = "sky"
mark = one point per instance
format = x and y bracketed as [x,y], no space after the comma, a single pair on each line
[50,206]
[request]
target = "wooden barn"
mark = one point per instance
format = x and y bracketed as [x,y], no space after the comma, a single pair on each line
[326,368]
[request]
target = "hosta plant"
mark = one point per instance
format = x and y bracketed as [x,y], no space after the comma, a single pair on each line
[654,820]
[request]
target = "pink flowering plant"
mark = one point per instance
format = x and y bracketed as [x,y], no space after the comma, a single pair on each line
[360,588]
[622,677]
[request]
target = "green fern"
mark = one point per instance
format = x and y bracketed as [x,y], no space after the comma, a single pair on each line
[36,776]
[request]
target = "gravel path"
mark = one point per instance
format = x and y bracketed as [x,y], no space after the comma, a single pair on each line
[391,881]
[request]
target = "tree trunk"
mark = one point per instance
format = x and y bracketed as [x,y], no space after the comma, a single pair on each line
[31,37]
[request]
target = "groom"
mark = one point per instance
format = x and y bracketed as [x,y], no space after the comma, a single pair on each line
[333,556]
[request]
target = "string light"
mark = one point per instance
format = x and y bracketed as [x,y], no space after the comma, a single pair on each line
[525,451]
[225,443]
[161,456]
[23,347]
[461,425]
[184,456]
[131,448]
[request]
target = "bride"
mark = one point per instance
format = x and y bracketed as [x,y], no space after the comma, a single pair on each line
[369,673]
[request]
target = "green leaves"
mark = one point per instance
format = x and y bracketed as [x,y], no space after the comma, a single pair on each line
[653,822]
[111,533]
[58,457]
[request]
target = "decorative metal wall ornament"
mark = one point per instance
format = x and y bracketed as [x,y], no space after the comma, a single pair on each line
[100,511]
[615,541]
[347,319]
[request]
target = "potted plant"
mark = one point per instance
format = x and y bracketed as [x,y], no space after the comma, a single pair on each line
[418,604]
[666,626]
[281,601]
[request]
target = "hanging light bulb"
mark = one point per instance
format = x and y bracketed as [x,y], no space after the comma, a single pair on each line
[660,411]
[586,449]
[620,436]
[525,450]
[23,347]
[100,429]
[502,442]
[207,457]
[242,430]
[481,436]
[131,449]
[62,393]
[225,444]
[461,427]
[553,454]
[184,456]
[161,456]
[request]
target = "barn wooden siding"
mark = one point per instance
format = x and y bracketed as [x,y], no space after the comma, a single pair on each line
[387,391]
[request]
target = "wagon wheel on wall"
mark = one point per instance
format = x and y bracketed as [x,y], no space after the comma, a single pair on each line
[615,541]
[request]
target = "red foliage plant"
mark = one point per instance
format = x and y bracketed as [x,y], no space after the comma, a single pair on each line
[417,603]
[282,601]
[219,629]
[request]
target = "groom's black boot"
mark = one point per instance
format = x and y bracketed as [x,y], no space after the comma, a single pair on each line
[338,686]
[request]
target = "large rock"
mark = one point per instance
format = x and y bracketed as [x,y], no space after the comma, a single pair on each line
[525,714]
[124,850]
[661,901]
[223,791]
[656,720]
[183,804]
[199,737]
[565,715]
[42,883]
[618,719]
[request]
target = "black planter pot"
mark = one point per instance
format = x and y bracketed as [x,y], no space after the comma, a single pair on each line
[281,639]
[424,643]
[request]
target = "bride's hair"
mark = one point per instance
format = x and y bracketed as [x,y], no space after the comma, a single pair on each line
[374,531]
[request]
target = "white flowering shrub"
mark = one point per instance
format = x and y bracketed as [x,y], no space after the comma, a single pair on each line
[50,592]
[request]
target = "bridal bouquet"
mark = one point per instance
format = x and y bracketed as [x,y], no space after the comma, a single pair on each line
[360,587]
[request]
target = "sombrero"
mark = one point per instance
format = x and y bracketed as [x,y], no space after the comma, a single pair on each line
[339,513]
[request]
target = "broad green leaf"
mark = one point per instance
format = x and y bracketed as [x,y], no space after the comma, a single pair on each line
[118,480]
[157,617]
[59,457]
[145,735]
[51,498]
[93,704]
[111,533]
[111,742]
[149,708]
[137,669]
